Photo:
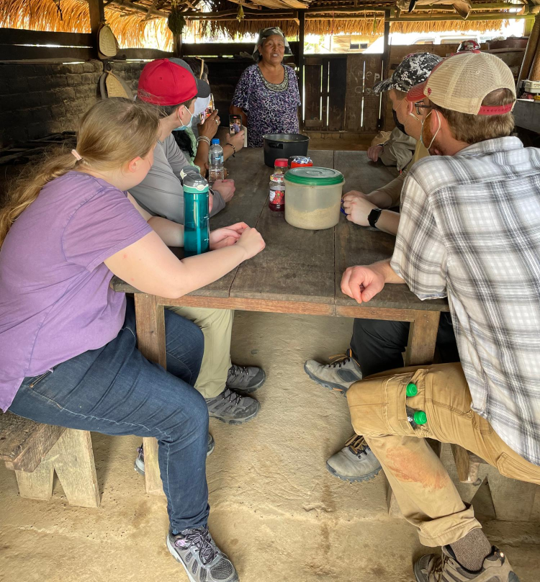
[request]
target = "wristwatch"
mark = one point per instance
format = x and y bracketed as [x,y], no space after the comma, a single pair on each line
[373,216]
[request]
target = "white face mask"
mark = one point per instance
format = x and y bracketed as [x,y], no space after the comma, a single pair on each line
[436,133]
[200,105]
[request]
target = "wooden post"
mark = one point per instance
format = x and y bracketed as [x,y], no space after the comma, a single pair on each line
[151,342]
[97,17]
[385,65]
[177,45]
[301,40]
[530,52]
[97,14]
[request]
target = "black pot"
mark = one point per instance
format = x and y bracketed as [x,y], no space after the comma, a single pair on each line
[284,145]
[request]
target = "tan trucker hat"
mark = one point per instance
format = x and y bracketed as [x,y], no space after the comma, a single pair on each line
[462,81]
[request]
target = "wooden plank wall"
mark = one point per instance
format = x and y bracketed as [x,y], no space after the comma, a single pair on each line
[362,106]
[325,88]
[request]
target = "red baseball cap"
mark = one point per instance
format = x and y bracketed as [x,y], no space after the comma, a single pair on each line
[170,82]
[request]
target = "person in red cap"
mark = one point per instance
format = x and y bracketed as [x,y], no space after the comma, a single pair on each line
[170,85]
[469,231]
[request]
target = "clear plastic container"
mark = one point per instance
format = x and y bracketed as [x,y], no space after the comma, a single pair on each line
[215,161]
[313,197]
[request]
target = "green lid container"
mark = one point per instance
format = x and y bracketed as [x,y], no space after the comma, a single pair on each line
[420,417]
[411,390]
[314,176]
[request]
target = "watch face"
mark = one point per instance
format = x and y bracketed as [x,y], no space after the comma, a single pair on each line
[374,216]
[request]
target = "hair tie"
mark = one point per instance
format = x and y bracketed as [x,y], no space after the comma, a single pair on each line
[76,155]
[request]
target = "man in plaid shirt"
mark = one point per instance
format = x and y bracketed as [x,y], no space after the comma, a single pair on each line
[469,231]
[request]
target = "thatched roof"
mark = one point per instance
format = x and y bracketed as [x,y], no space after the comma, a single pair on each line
[145,23]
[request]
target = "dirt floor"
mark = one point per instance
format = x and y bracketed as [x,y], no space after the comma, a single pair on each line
[275,509]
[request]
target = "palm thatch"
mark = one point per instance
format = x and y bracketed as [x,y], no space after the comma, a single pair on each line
[136,28]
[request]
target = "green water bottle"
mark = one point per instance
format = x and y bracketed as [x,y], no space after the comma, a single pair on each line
[416,418]
[196,215]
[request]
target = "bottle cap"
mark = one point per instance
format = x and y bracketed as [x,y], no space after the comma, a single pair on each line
[411,390]
[420,417]
[215,140]
[281,163]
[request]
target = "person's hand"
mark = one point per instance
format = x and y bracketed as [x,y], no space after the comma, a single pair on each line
[362,283]
[357,208]
[374,152]
[225,237]
[252,242]
[210,126]
[226,188]
[355,194]
[237,140]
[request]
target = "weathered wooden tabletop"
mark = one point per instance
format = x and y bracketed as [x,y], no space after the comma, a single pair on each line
[298,272]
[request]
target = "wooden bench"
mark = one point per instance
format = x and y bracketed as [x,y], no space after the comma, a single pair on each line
[36,451]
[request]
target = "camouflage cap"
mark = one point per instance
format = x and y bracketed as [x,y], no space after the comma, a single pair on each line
[413,70]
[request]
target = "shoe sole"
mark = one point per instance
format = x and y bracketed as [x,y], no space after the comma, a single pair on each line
[368,477]
[418,572]
[334,387]
[141,471]
[235,421]
[250,389]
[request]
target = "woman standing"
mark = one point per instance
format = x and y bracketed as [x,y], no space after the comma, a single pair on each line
[267,95]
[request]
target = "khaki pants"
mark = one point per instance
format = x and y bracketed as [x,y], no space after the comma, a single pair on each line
[216,325]
[425,493]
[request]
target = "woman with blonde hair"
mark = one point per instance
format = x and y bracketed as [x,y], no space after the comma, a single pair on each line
[68,349]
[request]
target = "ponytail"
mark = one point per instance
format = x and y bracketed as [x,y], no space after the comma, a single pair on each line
[113,132]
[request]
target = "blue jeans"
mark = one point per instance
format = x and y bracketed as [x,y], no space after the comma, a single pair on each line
[115,390]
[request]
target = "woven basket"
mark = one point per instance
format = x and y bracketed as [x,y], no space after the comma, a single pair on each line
[107,45]
[116,87]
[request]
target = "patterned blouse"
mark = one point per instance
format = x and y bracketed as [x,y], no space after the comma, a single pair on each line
[270,108]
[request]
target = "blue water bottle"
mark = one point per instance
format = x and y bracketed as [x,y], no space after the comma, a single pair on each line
[196,215]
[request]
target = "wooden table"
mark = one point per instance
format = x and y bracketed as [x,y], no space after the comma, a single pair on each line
[298,272]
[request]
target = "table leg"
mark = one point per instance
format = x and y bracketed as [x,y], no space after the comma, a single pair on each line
[150,317]
[422,338]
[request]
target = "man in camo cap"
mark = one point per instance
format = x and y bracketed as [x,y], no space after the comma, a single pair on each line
[373,340]
[359,207]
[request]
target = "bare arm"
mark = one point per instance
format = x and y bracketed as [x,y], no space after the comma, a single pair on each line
[152,268]
[171,233]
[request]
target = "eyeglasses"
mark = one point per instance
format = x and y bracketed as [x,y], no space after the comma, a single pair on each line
[420,105]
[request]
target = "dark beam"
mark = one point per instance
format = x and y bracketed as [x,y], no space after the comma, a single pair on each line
[97,15]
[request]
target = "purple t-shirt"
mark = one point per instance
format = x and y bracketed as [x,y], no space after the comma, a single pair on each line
[55,300]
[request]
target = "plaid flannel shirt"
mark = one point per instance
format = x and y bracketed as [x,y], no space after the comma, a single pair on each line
[470,230]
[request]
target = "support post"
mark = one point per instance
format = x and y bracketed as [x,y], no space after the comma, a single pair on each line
[97,14]
[530,52]
[97,17]
[385,66]
[301,40]
[177,45]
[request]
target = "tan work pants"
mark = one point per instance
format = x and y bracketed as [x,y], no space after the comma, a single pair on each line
[425,493]
[216,325]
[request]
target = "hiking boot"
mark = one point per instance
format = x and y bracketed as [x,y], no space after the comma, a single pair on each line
[339,375]
[232,407]
[355,461]
[203,561]
[434,568]
[245,379]
[139,461]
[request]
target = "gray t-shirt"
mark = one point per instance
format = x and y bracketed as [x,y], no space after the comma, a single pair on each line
[161,192]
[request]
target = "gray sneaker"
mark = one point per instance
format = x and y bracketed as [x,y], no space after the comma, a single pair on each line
[339,375]
[433,568]
[355,461]
[203,561]
[139,461]
[232,408]
[245,379]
